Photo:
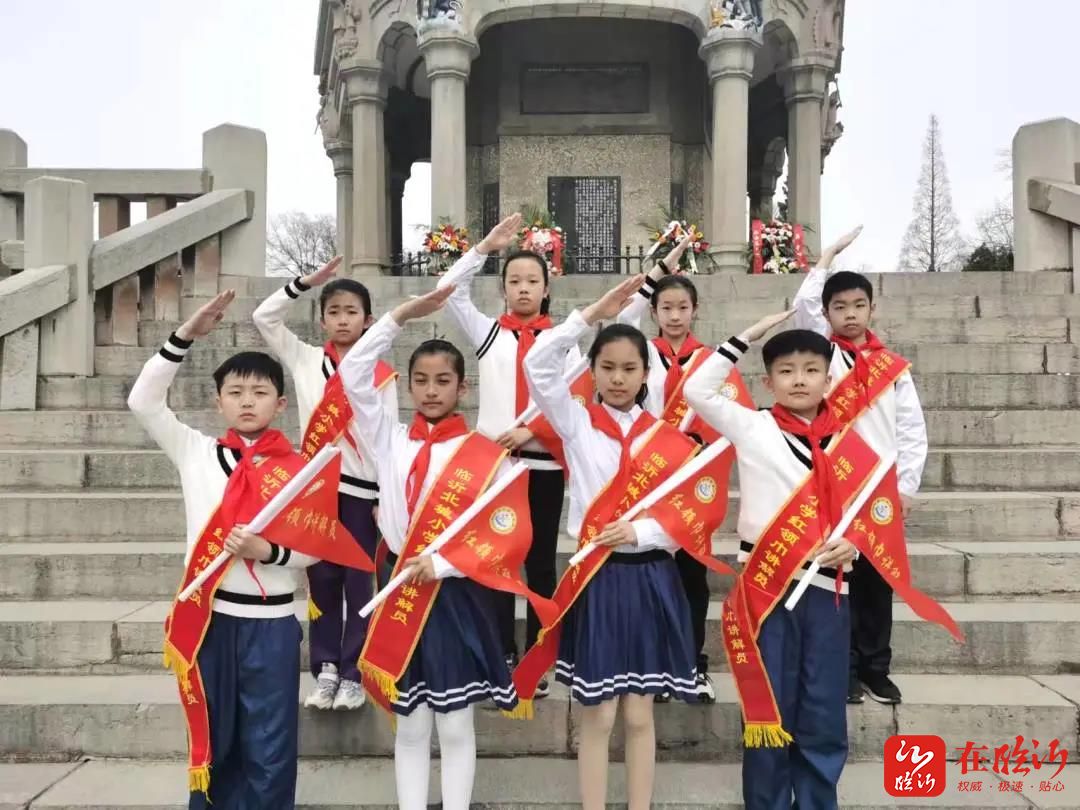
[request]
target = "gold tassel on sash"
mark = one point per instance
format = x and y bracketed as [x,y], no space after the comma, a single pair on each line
[523,710]
[386,683]
[760,735]
[199,780]
[313,612]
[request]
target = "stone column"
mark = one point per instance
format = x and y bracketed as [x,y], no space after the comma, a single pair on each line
[366,85]
[122,298]
[236,158]
[729,56]
[1049,150]
[12,156]
[805,80]
[448,56]
[341,154]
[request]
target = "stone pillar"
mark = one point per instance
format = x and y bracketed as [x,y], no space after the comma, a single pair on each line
[398,179]
[805,80]
[448,56]
[59,230]
[367,87]
[236,158]
[729,57]
[341,154]
[1049,150]
[159,286]
[12,156]
[122,298]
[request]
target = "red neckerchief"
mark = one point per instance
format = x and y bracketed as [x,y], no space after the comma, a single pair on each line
[862,366]
[526,337]
[603,421]
[825,424]
[423,431]
[240,501]
[675,361]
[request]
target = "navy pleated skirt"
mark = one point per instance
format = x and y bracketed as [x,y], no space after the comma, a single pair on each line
[459,659]
[629,633]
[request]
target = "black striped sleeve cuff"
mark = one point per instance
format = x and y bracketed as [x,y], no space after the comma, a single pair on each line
[175,348]
[279,555]
[733,349]
[647,289]
[295,287]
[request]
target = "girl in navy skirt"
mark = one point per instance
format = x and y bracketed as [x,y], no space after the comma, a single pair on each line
[457,660]
[627,637]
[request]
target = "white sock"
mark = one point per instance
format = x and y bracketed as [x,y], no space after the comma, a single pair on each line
[457,742]
[412,758]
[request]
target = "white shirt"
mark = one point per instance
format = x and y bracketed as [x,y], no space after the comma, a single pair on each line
[591,456]
[310,368]
[897,412]
[204,467]
[496,357]
[394,451]
[772,462]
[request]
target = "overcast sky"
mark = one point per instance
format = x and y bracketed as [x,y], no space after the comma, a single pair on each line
[134,83]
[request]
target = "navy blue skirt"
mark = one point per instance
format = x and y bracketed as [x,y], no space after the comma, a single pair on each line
[458,659]
[629,633]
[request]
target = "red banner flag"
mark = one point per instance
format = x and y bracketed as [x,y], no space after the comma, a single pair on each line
[310,525]
[490,549]
[582,390]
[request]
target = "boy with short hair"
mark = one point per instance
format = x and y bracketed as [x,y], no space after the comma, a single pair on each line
[789,665]
[235,644]
[337,632]
[840,307]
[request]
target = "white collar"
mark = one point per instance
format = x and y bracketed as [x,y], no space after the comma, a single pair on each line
[624,419]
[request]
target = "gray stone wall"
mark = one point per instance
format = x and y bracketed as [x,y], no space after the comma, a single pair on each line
[642,161]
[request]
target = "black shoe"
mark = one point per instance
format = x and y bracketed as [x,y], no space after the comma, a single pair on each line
[705,691]
[543,689]
[511,661]
[881,689]
[855,694]
[662,697]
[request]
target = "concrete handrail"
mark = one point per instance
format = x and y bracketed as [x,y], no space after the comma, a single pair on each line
[128,251]
[132,184]
[33,294]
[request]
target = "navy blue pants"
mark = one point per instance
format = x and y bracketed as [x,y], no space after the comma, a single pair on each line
[338,635]
[251,670]
[806,655]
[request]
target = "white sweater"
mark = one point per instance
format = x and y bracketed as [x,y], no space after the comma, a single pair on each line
[772,462]
[496,358]
[310,368]
[204,467]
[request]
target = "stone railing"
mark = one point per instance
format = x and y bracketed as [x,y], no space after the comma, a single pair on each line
[1046,196]
[62,291]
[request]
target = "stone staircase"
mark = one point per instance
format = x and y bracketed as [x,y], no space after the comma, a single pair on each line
[91,547]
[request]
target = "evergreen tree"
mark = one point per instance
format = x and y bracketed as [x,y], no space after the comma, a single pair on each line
[932,242]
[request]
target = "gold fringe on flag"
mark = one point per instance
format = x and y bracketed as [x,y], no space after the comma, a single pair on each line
[313,612]
[765,735]
[386,683]
[198,779]
[523,710]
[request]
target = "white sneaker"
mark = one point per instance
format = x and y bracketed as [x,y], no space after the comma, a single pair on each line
[350,695]
[326,688]
[705,691]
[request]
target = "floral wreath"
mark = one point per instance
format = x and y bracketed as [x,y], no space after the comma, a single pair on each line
[777,247]
[541,235]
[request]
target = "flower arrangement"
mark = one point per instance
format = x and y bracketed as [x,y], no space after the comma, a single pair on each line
[666,237]
[445,245]
[542,235]
[777,247]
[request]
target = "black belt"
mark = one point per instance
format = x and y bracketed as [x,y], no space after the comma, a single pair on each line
[532,455]
[254,599]
[656,555]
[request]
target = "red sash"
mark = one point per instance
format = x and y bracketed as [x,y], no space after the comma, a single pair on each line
[675,408]
[779,553]
[395,628]
[662,452]
[250,486]
[849,400]
[331,418]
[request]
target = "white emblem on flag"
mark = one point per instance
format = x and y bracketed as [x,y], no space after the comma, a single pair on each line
[705,489]
[881,510]
[503,520]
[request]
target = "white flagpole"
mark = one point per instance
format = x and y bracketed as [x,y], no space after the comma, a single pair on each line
[284,496]
[841,527]
[448,533]
[533,410]
[692,467]
[656,245]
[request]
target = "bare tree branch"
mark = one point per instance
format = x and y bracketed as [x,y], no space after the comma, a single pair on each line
[299,243]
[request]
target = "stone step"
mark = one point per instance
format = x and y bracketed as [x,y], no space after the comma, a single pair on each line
[945,428]
[964,391]
[151,570]
[524,783]
[66,717]
[996,468]
[151,514]
[1001,636]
